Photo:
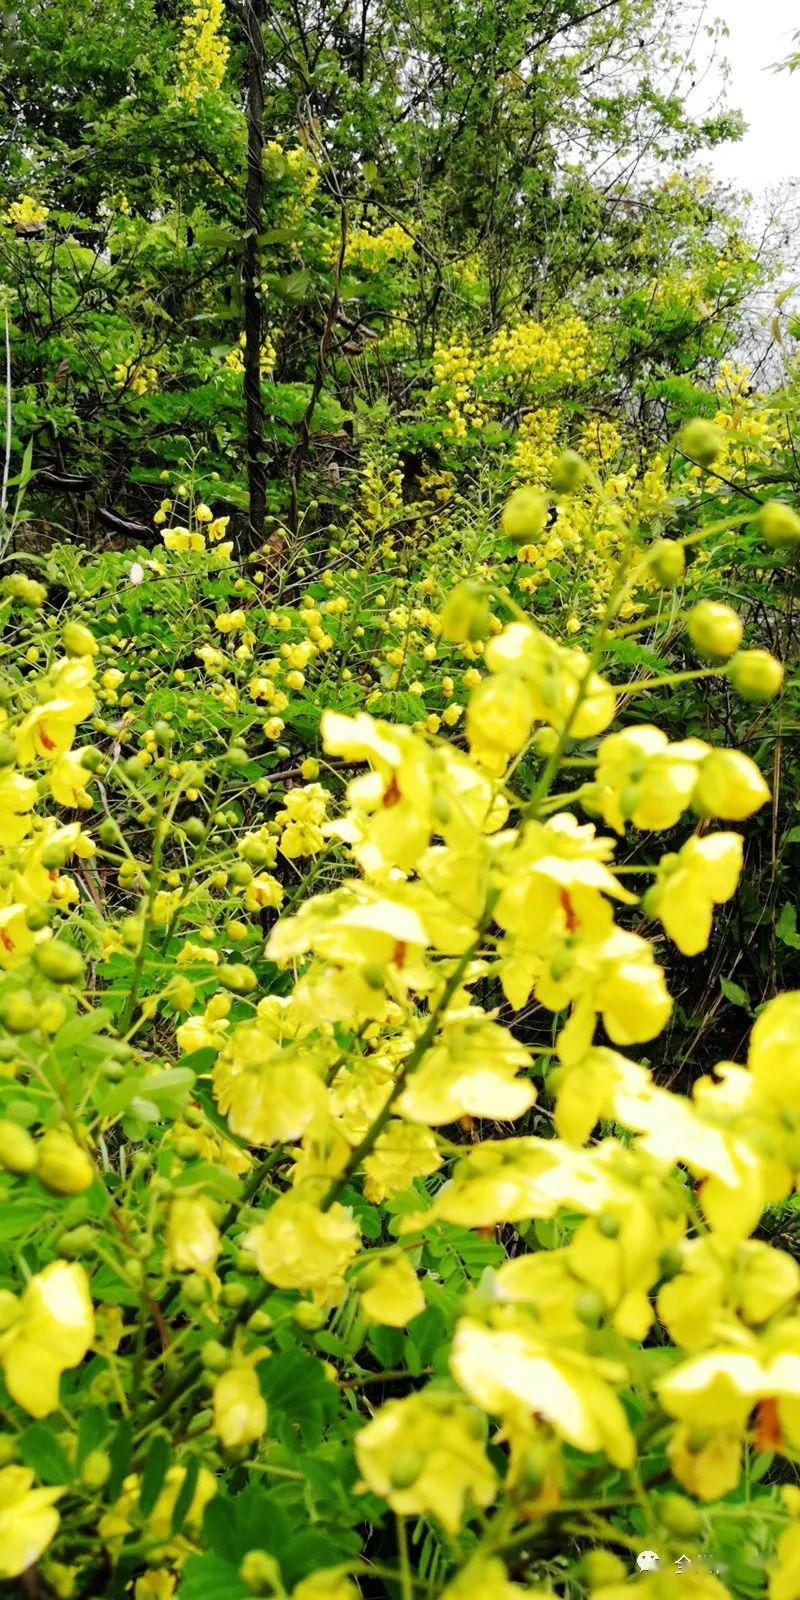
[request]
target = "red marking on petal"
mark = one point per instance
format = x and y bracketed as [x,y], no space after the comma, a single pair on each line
[767,1429]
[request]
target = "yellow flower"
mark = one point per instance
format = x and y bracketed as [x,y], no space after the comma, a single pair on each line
[17,797]
[706,1462]
[774,1056]
[510,1371]
[643,779]
[298,1246]
[703,873]
[390,1291]
[469,1071]
[784,1575]
[192,1241]
[729,785]
[425,1454]
[269,1094]
[28,1520]
[400,1154]
[230,621]
[69,780]
[240,1410]
[117,1521]
[158,1584]
[330,1583]
[52,1329]
[46,732]
[485,1578]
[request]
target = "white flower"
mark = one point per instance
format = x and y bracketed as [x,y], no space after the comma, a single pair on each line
[137,572]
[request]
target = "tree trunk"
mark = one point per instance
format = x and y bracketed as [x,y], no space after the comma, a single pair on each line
[253,12]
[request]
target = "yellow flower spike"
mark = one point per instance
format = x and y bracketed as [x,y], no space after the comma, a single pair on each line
[425,1454]
[240,1411]
[390,1292]
[28,1520]
[52,1332]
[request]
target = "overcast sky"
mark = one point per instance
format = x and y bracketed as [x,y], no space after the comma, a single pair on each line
[760,33]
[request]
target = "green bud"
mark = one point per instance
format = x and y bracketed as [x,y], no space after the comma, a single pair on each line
[19,1012]
[194,829]
[701,441]
[406,1468]
[589,1307]
[261,1573]
[755,675]
[8,750]
[524,516]
[59,962]
[257,852]
[667,562]
[96,1469]
[568,472]
[77,1242]
[17,1148]
[78,641]
[214,1356]
[236,976]
[778,524]
[309,1316]
[601,1567]
[679,1515]
[234,1294]
[714,629]
[63,1167]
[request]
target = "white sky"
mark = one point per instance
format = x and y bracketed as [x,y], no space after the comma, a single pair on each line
[760,33]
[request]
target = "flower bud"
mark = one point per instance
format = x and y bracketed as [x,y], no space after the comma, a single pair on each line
[78,641]
[667,561]
[59,962]
[701,441]
[601,1567]
[19,1012]
[524,516]
[568,472]
[261,1573]
[465,615]
[679,1515]
[714,629]
[236,976]
[17,1148]
[77,1242]
[778,524]
[63,1167]
[96,1469]
[755,675]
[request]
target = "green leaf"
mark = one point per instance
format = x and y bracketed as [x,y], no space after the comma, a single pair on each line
[786,927]
[298,1394]
[185,1495]
[120,1455]
[40,1450]
[210,1578]
[153,1473]
[93,1428]
[735,993]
